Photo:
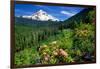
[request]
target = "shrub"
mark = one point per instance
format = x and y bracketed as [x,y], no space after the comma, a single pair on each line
[84,39]
[26,57]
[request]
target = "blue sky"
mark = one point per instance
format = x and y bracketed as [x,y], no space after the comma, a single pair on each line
[60,12]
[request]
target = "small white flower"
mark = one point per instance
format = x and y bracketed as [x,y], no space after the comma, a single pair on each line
[44,45]
[54,42]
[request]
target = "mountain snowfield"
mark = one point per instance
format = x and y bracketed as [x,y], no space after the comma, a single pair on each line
[41,16]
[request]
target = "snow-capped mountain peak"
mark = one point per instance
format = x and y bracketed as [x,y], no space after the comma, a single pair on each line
[42,16]
[40,12]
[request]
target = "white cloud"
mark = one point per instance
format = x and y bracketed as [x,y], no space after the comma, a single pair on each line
[67,13]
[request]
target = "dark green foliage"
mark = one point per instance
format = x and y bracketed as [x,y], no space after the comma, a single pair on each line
[26,57]
[84,39]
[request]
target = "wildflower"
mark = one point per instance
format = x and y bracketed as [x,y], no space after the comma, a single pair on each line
[44,53]
[55,53]
[63,53]
[46,57]
[54,42]
[44,46]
